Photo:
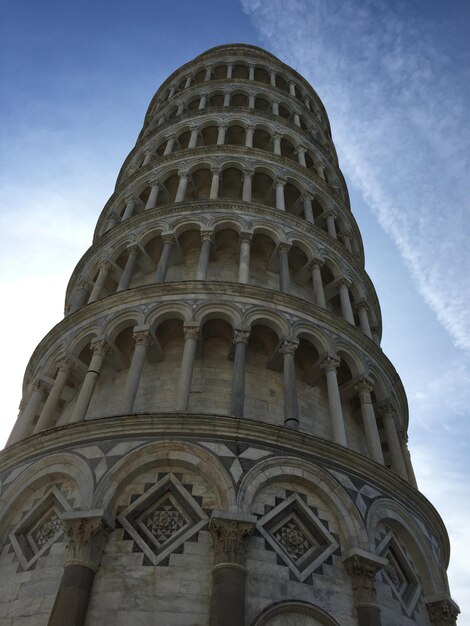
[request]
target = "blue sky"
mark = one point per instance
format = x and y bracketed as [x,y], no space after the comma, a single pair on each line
[394,77]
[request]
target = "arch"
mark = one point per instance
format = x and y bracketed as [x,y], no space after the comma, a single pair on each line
[352,530]
[259,316]
[314,615]
[176,453]
[227,312]
[63,465]
[122,321]
[170,310]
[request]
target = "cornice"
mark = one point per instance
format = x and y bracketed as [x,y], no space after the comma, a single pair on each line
[196,426]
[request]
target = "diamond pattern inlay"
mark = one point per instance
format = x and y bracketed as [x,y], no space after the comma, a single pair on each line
[298,536]
[163,518]
[48,529]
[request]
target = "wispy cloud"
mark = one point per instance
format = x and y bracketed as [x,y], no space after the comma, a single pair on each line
[397,107]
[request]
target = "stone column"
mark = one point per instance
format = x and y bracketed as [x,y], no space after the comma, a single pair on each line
[227,99]
[193,137]
[280,203]
[53,399]
[251,72]
[79,297]
[301,155]
[203,263]
[142,340]
[164,262]
[387,414]
[346,308]
[403,438]
[249,134]
[320,167]
[230,534]
[247,185]
[87,534]
[191,334]
[153,195]
[442,611]
[330,224]
[284,278]
[214,191]
[129,210]
[208,74]
[237,399]
[345,236]
[317,283]
[292,89]
[277,143]
[291,409]
[147,157]
[95,294]
[297,119]
[275,107]
[100,349]
[182,186]
[330,365]
[113,220]
[244,261]
[202,102]
[251,101]
[362,567]
[126,275]
[170,144]
[172,92]
[221,134]
[180,109]
[374,447]
[229,70]
[188,81]
[25,420]
[308,211]
[362,308]
[272,76]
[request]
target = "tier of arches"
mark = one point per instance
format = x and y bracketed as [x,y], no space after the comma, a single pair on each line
[256,366]
[217,178]
[240,70]
[229,250]
[237,97]
[242,133]
[60,476]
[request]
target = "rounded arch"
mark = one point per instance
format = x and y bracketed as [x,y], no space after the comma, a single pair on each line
[262,317]
[226,312]
[117,324]
[410,532]
[174,453]
[167,311]
[275,615]
[352,530]
[55,466]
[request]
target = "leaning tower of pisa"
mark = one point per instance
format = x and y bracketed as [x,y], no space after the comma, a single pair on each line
[212,435]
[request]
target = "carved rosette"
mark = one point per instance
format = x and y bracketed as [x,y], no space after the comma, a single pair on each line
[230,538]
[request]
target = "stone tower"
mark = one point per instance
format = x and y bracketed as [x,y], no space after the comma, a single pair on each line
[212,435]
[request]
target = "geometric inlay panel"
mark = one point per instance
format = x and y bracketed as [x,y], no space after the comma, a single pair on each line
[298,536]
[163,518]
[39,528]
[398,573]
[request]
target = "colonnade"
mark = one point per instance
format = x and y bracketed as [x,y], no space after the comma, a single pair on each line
[84,293]
[102,347]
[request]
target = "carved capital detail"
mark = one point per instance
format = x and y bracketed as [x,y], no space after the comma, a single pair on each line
[364,385]
[87,535]
[331,363]
[443,612]
[363,571]
[289,346]
[230,538]
[241,336]
[142,337]
[191,332]
[100,346]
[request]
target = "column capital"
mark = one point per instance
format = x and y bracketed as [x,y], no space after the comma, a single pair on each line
[361,304]
[142,337]
[331,362]
[241,335]
[443,612]
[216,169]
[183,174]
[308,195]
[83,284]
[301,148]
[170,135]
[100,347]
[87,533]
[38,385]
[317,262]
[343,282]
[155,183]
[133,248]
[386,409]
[129,197]
[246,236]
[64,365]
[284,247]
[403,436]
[364,385]
[191,330]
[247,171]
[230,536]
[207,235]
[168,238]
[104,265]
[289,345]
[363,567]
